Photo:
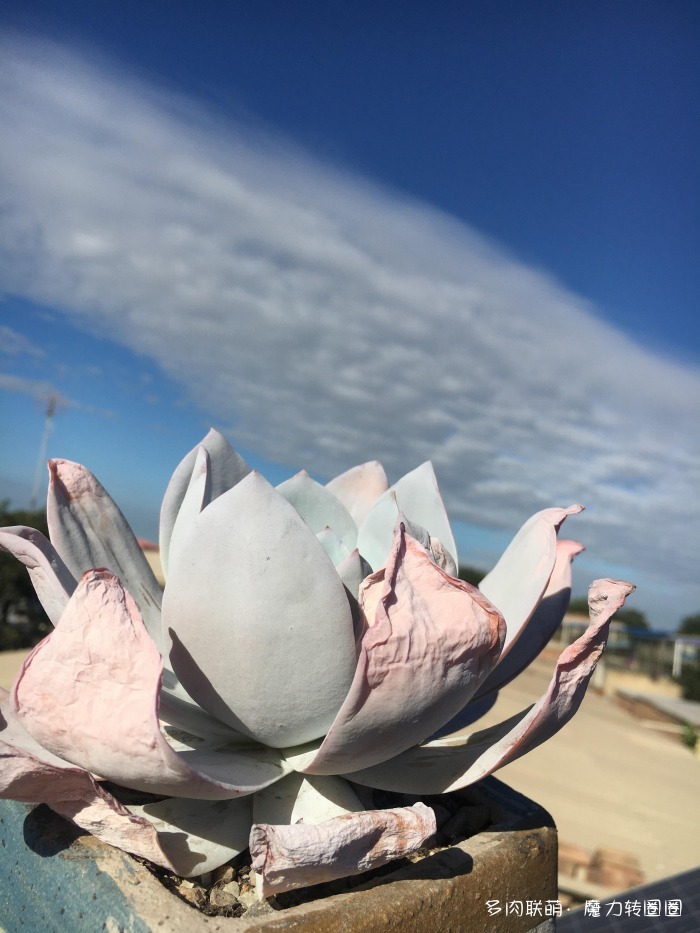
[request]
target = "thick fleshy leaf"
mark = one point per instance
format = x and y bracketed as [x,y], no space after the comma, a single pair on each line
[226,469]
[197,836]
[416,495]
[432,641]
[176,706]
[543,623]
[88,693]
[520,577]
[197,496]
[457,760]
[287,857]
[88,531]
[266,645]
[333,546]
[178,709]
[52,580]
[319,508]
[308,799]
[359,488]
[353,570]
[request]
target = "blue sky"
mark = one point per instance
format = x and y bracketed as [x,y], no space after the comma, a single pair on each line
[345,231]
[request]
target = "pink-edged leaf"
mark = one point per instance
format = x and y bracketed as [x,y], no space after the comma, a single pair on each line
[259,619]
[227,469]
[88,531]
[417,497]
[185,836]
[431,642]
[287,857]
[318,507]
[529,641]
[520,577]
[457,760]
[359,488]
[51,579]
[543,623]
[89,694]
[75,795]
[31,774]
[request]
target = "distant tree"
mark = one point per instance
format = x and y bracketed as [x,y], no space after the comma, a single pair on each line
[471,575]
[632,618]
[690,682]
[579,604]
[690,674]
[690,625]
[17,596]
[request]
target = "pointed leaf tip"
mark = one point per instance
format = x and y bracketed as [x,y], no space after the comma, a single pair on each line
[88,530]
[227,469]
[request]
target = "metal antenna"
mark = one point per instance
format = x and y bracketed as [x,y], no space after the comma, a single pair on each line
[50,412]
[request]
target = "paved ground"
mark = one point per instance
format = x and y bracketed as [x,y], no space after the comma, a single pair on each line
[607,780]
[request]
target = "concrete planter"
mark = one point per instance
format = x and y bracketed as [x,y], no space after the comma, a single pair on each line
[53,879]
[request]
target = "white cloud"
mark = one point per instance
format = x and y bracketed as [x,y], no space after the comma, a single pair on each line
[324,320]
[15,344]
[41,390]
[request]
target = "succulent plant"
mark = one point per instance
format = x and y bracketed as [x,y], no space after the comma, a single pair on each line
[311,642]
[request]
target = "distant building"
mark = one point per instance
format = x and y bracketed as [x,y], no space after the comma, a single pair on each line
[659,654]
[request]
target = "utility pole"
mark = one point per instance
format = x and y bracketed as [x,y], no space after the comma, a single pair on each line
[48,422]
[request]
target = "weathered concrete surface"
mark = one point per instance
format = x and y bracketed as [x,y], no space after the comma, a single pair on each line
[53,882]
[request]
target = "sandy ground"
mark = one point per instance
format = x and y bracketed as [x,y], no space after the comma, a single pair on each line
[608,781]
[9,665]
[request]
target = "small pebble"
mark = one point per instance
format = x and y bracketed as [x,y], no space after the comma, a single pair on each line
[223,874]
[220,897]
[248,898]
[195,895]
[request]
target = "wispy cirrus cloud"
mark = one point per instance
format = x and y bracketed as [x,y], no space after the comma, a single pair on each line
[324,320]
[13,343]
[41,390]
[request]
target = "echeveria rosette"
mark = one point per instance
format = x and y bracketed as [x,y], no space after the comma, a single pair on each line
[311,642]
